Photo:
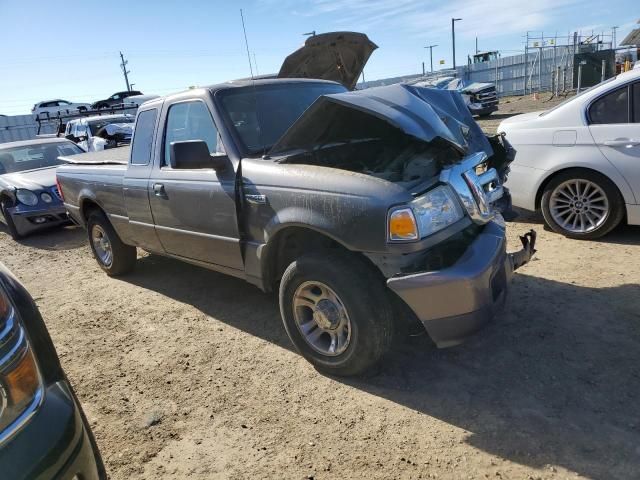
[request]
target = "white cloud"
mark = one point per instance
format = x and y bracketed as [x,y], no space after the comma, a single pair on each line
[422,19]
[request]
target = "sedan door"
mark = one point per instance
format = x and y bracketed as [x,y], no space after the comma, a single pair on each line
[195,210]
[614,123]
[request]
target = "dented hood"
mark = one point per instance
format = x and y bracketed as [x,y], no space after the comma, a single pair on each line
[337,56]
[426,114]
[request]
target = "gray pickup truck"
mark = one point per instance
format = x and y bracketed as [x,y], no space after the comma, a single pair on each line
[363,209]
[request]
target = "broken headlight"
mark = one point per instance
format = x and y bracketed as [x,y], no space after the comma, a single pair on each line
[431,212]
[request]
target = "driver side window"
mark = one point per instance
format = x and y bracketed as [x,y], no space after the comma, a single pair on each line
[191,121]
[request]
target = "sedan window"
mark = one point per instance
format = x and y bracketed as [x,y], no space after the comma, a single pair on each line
[31,157]
[612,108]
[636,102]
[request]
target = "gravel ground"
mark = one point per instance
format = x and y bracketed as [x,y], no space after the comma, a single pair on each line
[186,373]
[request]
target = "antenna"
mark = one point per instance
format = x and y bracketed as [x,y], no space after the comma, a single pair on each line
[255,62]
[246,43]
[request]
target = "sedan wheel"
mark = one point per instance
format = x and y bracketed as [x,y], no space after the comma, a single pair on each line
[582,204]
[579,206]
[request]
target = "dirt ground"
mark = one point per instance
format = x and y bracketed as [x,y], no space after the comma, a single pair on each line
[186,373]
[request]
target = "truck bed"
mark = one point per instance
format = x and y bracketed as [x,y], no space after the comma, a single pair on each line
[99,172]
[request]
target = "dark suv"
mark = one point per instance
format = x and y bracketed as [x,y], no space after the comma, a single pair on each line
[43,431]
[115,99]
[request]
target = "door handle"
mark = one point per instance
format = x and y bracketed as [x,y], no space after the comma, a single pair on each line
[158,190]
[622,142]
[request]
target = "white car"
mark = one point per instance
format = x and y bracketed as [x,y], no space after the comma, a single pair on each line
[580,161]
[53,107]
[137,100]
[100,132]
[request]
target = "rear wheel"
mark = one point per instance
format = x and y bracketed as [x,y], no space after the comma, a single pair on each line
[582,204]
[113,256]
[11,226]
[336,312]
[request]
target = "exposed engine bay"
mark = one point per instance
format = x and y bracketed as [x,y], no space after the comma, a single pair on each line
[403,134]
[404,161]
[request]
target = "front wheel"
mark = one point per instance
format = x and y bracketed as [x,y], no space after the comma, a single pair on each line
[113,256]
[336,312]
[582,204]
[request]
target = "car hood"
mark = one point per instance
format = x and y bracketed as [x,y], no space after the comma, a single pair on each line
[337,56]
[31,179]
[475,87]
[426,114]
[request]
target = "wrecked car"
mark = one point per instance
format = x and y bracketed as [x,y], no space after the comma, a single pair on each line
[363,210]
[100,132]
[481,98]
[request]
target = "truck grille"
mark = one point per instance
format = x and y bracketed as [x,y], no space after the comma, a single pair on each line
[487,97]
[478,191]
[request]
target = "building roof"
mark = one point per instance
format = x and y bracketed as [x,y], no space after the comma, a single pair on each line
[633,38]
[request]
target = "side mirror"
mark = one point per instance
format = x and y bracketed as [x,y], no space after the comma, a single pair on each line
[192,154]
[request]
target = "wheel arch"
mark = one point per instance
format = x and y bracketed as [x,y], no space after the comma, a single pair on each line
[87,204]
[292,240]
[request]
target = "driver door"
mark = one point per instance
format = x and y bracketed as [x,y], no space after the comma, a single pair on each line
[195,210]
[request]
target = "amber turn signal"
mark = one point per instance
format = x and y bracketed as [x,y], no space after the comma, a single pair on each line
[402,225]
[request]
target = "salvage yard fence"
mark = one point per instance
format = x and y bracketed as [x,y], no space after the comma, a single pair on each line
[25,127]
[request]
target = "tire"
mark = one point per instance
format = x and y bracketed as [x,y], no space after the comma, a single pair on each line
[8,220]
[361,293]
[599,217]
[122,258]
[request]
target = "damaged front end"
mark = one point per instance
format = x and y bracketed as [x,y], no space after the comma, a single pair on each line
[425,141]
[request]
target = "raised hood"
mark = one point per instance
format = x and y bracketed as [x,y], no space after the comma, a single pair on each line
[425,114]
[337,56]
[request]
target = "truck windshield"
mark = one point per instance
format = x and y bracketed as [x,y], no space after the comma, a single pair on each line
[260,115]
[31,157]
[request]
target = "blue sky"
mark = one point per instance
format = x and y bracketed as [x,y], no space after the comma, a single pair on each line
[51,51]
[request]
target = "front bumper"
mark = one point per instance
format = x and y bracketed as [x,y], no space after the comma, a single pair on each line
[28,220]
[455,302]
[480,109]
[54,443]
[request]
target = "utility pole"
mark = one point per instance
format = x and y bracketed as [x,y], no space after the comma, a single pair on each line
[430,47]
[453,38]
[476,45]
[123,65]
[614,36]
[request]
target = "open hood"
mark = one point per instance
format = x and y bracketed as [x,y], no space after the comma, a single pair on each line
[426,114]
[337,56]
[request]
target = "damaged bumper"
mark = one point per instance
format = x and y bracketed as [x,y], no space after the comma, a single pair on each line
[455,302]
[29,220]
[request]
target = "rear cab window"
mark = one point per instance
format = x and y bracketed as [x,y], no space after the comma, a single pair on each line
[143,137]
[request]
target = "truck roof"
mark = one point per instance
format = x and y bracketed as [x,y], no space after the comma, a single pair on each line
[243,82]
